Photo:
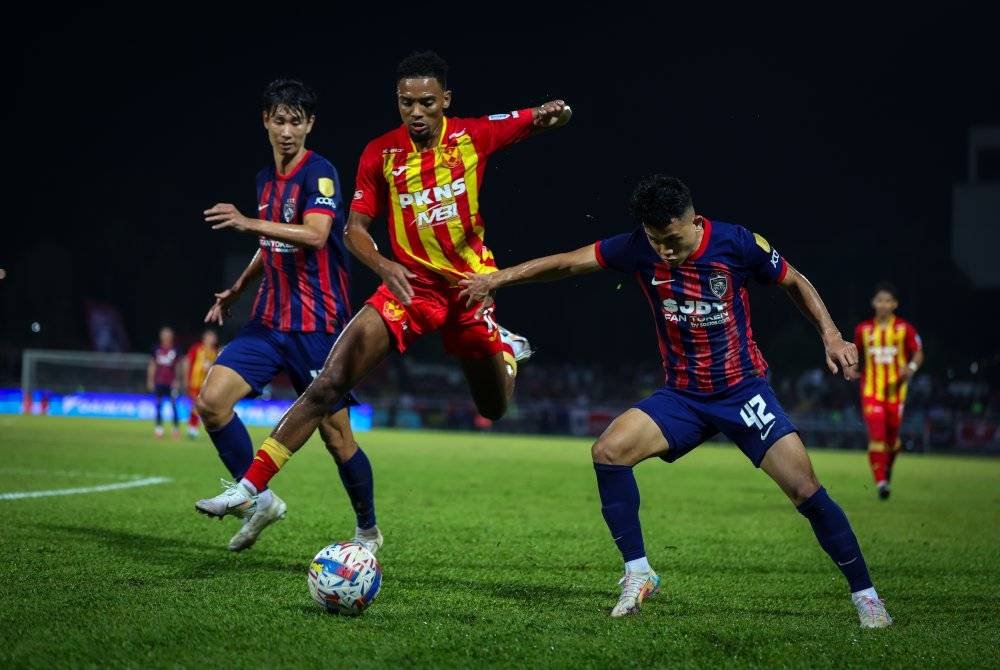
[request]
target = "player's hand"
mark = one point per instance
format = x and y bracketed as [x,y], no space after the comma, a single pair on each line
[904,373]
[221,309]
[477,288]
[552,114]
[224,215]
[397,278]
[842,357]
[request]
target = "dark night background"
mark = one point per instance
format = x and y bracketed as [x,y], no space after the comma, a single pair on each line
[837,134]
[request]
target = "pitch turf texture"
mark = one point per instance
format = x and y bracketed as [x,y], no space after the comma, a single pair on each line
[496,555]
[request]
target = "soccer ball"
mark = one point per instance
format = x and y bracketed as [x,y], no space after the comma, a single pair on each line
[345,578]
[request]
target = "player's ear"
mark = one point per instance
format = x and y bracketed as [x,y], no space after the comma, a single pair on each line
[309,124]
[446,100]
[264,117]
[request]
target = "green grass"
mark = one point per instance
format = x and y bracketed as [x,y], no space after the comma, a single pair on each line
[496,555]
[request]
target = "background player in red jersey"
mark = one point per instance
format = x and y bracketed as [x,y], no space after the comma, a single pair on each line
[198,360]
[891,352]
[302,306]
[162,379]
[425,176]
[694,273]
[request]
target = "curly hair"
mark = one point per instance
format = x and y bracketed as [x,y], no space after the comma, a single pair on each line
[423,64]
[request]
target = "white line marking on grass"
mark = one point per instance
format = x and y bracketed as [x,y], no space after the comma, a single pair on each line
[20,495]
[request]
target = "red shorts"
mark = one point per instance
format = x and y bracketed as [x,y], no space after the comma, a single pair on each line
[437,307]
[883,420]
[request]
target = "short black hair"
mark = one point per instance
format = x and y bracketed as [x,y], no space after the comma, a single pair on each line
[423,64]
[291,94]
[658,199]
[888,288]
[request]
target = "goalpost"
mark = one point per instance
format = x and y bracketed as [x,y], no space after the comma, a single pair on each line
[55,371]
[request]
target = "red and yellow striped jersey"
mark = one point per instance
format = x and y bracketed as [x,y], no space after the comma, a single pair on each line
[200,359]
[885,349]
[432,197]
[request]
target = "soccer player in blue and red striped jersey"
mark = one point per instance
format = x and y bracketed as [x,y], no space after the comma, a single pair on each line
[694,273]
[302,305]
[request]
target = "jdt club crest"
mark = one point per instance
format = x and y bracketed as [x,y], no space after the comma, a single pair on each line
[288,211]
[718,283]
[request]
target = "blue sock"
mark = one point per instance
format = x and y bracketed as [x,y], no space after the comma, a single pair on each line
[356,473]
[834,533]
[232,441]
[620,506]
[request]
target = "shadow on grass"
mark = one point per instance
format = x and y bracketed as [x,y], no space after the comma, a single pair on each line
[191,559]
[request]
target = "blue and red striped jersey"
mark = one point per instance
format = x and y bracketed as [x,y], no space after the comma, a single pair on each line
[303,289]
[701,308]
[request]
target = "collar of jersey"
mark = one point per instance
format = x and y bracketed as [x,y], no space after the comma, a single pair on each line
[444,129]
[704,243]
[294,170]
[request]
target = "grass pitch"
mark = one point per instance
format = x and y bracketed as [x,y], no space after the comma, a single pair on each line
[496,555]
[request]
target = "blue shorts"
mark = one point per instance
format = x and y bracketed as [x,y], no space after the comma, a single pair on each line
[259,353]
[749,414]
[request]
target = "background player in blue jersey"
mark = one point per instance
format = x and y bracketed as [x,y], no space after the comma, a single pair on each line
[694,273]
[302,305]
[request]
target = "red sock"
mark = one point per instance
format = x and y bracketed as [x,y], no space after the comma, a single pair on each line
[878,461]
[193,419]
[269,459]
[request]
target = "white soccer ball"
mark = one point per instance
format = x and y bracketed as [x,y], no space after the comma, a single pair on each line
[345,578]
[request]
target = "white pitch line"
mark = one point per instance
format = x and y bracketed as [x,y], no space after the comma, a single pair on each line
[20,495]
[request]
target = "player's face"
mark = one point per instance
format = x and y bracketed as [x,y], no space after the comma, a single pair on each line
[422,103]
[166,337]
[884,304]
[287,129]
[210,339]
[678,240]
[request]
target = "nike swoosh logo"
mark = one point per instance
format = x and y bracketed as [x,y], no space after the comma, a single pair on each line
[262,208]
[764,434]
[398,171]
[661,281]
[848,562]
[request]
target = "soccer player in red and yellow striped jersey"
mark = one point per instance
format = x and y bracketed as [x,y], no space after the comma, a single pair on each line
[890,351]
[199,359]
[425,176]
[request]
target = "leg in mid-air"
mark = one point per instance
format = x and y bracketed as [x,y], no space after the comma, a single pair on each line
[355,473]
[788,464]
[363,344]
[631,438]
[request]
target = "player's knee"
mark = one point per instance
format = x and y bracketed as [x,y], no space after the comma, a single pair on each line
[804,489]
[328,387]
[492,410]
[609,450]
[212,409]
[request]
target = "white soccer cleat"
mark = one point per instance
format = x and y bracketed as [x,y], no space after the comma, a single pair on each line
[158,431]
[370,538]
[235,500]
[261,518]
[871,612]
[636,587]
[518,343]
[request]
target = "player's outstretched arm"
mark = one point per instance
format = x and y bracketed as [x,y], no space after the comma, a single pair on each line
[478,288]
[840,355]
[312,234]
[219,311]
[554,114]
[360,242]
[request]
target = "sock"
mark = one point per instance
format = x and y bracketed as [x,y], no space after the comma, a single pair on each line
[878,460]
[173,408]
[356,473]
[620,507]
[235,448]
[159,410]
[834,533]
[193,419]
[865,593]
[270,458]
[638,565]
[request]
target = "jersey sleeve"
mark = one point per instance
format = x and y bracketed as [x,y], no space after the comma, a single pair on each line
[321,189]
[913,341]
[763,262]
[496,131]
[369,185]
[617,253]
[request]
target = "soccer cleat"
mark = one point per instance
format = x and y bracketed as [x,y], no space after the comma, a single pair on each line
[235,500]
[871,612]
[192,432]
[261,518]
[636,587]
[518,343]
[883,490]
[158,431]
[370,538]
